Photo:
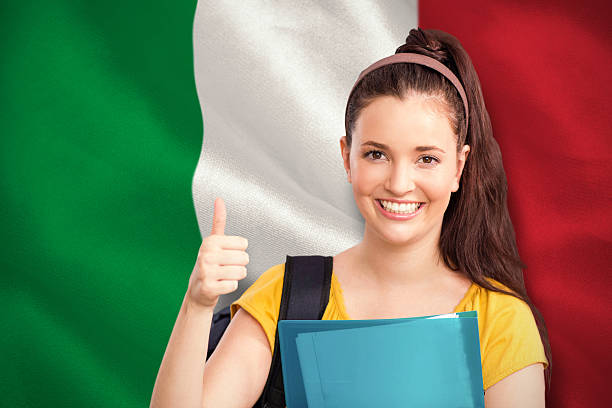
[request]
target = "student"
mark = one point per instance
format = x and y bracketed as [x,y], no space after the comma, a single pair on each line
[428,178]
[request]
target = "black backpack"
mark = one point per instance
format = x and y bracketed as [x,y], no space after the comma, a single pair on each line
[306,286]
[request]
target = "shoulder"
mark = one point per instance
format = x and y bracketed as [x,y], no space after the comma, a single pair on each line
[268,281]
[498,307]
[262,300]
[494,307]
[509,336]
[266,288]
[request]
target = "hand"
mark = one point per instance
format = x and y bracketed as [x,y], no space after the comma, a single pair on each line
[220,264]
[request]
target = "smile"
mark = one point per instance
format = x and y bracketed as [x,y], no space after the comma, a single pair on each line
[396,211]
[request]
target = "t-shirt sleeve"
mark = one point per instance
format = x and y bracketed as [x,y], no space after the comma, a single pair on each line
[513,340]
[262,300]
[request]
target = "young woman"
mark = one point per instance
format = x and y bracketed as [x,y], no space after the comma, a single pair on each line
[427,177]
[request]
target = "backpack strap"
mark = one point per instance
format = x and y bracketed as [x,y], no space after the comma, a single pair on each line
[306,286]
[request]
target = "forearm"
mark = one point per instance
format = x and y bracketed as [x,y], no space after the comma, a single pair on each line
[180,376]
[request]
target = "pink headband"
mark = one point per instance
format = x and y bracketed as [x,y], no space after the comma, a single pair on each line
[415,59]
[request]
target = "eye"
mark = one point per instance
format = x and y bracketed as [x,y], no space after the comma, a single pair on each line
[430,160]
[374,154]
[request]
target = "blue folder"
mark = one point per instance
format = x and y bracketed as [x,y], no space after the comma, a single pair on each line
[388,362]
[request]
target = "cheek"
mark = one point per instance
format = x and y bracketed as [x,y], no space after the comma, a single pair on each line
[367,178]
[437,186]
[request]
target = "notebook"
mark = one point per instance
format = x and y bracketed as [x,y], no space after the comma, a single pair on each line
[425,360]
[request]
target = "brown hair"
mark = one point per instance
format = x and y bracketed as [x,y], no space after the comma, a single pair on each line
[477,235]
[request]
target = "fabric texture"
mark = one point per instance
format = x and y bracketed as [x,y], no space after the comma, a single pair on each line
[544,69]
[509,337]
[273,80]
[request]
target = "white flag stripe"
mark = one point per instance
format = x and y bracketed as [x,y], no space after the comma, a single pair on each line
[272,80]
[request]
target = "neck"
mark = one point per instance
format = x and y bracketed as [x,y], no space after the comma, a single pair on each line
[408,265]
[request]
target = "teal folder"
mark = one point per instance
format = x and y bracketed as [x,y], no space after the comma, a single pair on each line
[341,357]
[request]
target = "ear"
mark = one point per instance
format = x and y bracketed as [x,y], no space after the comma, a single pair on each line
[345,151]
[461,158]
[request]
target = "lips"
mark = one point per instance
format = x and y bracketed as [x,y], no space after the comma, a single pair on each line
[398,201]
[398,216]
[380,200]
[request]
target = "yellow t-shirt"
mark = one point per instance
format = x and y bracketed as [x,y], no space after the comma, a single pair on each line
[509,337]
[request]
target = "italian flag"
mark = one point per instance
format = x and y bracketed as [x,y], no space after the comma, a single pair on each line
[121,122]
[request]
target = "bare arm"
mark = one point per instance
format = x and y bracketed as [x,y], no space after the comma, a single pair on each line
[237,370]
[524,388]
[179,380]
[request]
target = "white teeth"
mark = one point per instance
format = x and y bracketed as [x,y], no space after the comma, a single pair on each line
[400,208]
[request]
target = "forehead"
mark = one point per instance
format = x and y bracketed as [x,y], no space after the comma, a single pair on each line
[417,119]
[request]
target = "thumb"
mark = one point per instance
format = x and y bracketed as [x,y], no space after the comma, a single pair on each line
[219,214]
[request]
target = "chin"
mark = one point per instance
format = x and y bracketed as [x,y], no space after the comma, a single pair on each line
[401,240]
[396,236]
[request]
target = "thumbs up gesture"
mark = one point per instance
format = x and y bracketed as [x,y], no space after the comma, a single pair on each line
[220,264]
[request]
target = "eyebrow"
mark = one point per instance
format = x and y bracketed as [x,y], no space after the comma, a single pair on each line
[418,148]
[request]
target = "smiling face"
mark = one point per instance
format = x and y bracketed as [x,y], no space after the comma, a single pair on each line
[403,151]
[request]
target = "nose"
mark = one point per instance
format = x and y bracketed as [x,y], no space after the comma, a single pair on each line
[400,178]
